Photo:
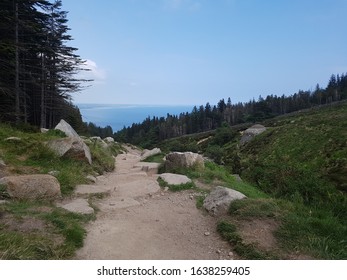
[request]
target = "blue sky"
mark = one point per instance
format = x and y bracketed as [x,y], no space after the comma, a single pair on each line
[198,51]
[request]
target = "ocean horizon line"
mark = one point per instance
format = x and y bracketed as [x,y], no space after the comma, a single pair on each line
[119,116]
[134,104]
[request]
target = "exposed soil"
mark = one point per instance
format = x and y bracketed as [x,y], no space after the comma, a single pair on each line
[140,221]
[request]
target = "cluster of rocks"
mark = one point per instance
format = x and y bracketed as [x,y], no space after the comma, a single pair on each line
[218,201]
[46,186]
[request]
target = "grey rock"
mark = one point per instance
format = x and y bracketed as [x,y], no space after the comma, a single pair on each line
[2,163]
[79,206]
[3,201]
[44,130]
[251,132]
[148,153]
[91,178]
[183,160]
[66,128]
[32,187]
[218,201]
[73,147]
[174,179]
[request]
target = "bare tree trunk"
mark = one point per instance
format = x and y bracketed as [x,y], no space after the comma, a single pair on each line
[43,88]
[17,90]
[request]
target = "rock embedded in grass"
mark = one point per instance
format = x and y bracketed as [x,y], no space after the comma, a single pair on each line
[32,187]
[218,201]
[176,160]
[174,179]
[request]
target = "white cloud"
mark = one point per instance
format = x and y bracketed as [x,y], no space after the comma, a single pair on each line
[95,72]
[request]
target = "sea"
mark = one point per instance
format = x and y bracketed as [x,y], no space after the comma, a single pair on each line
[119,116]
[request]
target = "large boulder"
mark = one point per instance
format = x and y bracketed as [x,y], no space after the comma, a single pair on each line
[218,201]
[177,160]
[73,147]
[66,128]
[251,132]
[148,153]
[32,187]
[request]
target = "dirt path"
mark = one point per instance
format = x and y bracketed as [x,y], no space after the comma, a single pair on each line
[140,221]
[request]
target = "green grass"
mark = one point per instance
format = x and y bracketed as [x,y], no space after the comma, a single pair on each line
[60,232]
[159,158]
[258,208]
[315,232]
[245,250]
[176,188]
[294,173]
[200,201]
[33,156]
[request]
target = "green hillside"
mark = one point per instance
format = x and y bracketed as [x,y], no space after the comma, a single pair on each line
[300,163]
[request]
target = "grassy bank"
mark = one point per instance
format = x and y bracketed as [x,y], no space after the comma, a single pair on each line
[40,230]
[296,174]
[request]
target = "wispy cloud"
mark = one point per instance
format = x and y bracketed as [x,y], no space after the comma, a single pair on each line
[95,72]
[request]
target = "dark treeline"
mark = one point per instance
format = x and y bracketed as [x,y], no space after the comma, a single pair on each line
[37,67]
[205,118]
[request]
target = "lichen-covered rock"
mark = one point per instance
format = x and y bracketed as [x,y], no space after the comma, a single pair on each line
[32,187]
[218,201]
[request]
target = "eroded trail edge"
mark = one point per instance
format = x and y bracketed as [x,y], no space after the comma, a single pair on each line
[138,220]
